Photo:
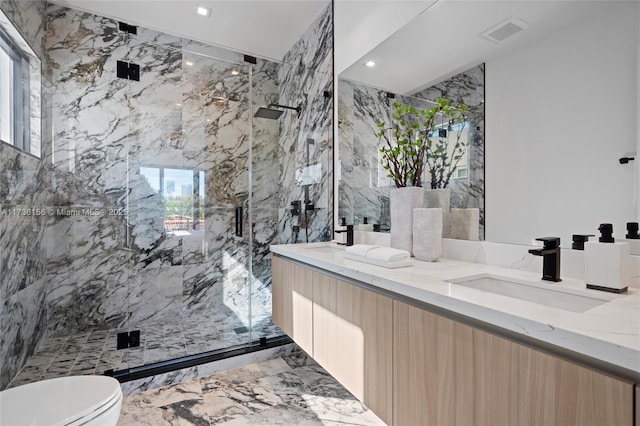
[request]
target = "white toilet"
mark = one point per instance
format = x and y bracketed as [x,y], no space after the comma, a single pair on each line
[72,400]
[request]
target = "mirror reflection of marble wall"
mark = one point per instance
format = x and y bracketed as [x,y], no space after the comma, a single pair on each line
[363,183]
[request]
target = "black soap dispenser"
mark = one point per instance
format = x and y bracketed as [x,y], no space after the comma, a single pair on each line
[606,233]
[579,240]
[365,225]
[607,262]
[633,238]
[340,235]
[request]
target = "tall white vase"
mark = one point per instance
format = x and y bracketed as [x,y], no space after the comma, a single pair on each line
[403,201]
[427,234]
[440,199]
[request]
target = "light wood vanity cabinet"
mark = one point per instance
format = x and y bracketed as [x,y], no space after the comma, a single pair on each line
[414,367]
[449,373]
[351,329]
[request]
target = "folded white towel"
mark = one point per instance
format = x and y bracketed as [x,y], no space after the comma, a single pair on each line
[360,249]
[388,254]
[390,265]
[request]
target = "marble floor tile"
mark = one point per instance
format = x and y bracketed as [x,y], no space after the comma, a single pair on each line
[249,373]
[290,390]
[96,351]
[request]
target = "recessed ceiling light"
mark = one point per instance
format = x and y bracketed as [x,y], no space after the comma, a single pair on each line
[235,72]
[370,64]
[203,11]
[188,63]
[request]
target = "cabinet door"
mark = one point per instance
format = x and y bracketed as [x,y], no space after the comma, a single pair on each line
[292,305]
[556,391]
[280,295]
[326,348]
[353,341]
[448,373]
[302,308]
[430,372]
[365,324]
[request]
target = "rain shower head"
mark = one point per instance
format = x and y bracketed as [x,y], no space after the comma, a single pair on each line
[271,113]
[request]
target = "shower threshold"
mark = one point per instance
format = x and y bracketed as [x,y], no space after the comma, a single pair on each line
[152,369]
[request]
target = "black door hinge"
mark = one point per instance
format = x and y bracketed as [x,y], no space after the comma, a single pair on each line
[128,339]
[131,29]
[128,71]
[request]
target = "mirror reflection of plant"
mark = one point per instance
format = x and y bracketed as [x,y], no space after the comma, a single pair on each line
[412,142]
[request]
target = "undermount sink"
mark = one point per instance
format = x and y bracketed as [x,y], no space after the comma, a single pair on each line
[532,292]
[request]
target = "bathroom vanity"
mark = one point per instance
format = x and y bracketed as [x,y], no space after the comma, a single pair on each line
[454,342]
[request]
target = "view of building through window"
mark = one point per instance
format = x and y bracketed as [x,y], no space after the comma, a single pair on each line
[183,195]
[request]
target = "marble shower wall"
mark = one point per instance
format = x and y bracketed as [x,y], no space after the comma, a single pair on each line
[363,185]
[303,81]
[22,257]
[189,112]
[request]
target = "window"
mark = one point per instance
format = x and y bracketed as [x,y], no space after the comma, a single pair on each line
[15,118]
[183,195]
[451,136]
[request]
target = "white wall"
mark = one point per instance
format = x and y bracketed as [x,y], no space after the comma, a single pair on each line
[560,112]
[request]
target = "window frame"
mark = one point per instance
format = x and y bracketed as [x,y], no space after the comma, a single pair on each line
[20,85]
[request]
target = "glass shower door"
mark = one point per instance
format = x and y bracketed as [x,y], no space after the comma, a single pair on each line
[188,200]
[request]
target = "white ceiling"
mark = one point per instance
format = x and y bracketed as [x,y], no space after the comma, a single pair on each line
[263,28]
[445,40]
[361,25]
[415,43]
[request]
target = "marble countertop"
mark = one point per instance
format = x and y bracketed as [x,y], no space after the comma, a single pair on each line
[608,333]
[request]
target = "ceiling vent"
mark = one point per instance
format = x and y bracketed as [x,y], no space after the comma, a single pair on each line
[505,29]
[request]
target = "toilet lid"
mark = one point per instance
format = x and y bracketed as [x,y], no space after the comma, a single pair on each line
[57,401]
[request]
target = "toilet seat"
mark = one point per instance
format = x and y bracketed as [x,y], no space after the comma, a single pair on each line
[72,400]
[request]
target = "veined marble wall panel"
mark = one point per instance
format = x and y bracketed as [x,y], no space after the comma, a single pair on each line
[303,79]
[188,112]
[88,256]
[266,174]
[468,88]
[29,18]
[88,273]
[22,257]
[156,295]
[363,190]
[364,187]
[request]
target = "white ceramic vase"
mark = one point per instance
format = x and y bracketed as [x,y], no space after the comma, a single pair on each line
[427,234]
[440,198]
[403,201]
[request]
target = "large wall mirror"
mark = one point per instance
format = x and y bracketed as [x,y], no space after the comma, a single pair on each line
[553,94]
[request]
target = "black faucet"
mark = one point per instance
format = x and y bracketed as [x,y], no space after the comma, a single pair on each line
[349,232]
[550,253]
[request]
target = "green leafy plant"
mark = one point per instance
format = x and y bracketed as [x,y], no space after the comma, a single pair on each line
[413,143]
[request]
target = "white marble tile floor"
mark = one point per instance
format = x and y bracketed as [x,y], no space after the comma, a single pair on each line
[288,390]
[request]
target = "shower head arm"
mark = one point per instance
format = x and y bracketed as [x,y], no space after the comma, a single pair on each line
[297,109]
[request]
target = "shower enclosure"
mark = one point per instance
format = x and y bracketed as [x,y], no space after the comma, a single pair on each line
[165,190]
